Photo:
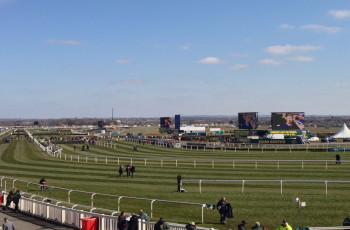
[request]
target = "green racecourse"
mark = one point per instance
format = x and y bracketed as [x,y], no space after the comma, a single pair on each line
[260,202]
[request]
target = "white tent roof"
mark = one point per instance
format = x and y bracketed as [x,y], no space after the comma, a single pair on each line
[344,132]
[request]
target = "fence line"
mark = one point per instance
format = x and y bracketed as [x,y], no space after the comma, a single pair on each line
[107,160]
[280,181]
[69,191]
[72,217]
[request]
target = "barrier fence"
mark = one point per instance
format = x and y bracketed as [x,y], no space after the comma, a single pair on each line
[3,183]
[263,181]
[177,161]
[72,217]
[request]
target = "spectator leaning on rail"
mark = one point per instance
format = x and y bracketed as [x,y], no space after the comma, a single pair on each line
[191,226]
[161,225]
[243,225]
[221,206]
[16,198]
[122,221]
[143,215]
[284,226]
[133,222]
[257,226]
[9,198]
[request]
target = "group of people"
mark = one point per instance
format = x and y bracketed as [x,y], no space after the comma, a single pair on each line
[13,196]
[132,223]
[130,170]
[225,211]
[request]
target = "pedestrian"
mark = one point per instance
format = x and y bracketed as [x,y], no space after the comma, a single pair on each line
[221,206]
[191,226]
[42,183]
[135,148]
[284,226]
[16,198]
[132,170]
[87,147]
[128,170]
[161,225]
[7,225]
[121,171]
[243,225]
[257,226]
[143,215]
[122,221]
[337,159]
[133,222]
[9,198]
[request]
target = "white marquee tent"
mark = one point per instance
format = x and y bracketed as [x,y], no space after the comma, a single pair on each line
[344,132]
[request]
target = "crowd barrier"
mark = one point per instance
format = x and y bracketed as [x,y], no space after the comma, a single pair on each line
[266,181]
[3,183]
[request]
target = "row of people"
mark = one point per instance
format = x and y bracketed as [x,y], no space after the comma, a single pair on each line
[130,170]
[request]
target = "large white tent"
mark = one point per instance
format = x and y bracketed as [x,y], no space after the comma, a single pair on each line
[344,132]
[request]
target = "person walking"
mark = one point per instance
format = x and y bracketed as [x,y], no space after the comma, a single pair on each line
[121,171]
[7,225]
[337,159]
[132,170]
[221,206]
[284,226]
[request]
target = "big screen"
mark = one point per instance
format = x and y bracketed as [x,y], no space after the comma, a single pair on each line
[288,120]
[165,122]
[248,120]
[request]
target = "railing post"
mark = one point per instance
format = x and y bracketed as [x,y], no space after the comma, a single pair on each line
[302,165]
[106,160]
[145,162]
[281,187]
[13,183]
[176,163]
[200,186]
[194,163]
[78,158]
[256,164]
[96,160]
[161,163]
[278,165]
[92,199]
[326,187]
[69,195]
[326,165]
[152,208]
[71,157]
[119,203]
[202,214]
[233,164]
[242,186]
[86,159]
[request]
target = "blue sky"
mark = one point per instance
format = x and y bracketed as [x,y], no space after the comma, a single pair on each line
[160,58]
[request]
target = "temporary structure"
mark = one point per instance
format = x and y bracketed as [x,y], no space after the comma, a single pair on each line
[344,132]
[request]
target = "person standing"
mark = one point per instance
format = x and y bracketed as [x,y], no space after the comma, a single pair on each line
[9,198]
[16,198]
[132,170]
[243,225]
[337,159]
[128,170]
[42,183]
[221,206]
[7,225]
[133,222]
[284,226]
[121,171]
[121,221]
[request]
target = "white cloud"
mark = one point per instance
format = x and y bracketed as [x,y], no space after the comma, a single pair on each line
[124,61]
[132,81]
[270,62]
[301,58]
[63,42]
[339,13]
[286,26]
[322,29]
[238,55]
[287,49]
[210,60]
[238,66]
[339,85]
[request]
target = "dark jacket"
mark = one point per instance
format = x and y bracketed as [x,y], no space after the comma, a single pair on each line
[229,212]
[16,197]
[133,223]
[221,206]
[161,225]
[121,223]
[241,227]
[190,227]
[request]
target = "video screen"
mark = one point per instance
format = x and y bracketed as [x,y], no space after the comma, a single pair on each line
[165,122]
[288,120]
[248,120]
[177,122]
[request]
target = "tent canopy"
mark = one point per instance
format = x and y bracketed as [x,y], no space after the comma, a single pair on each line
[344,132]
